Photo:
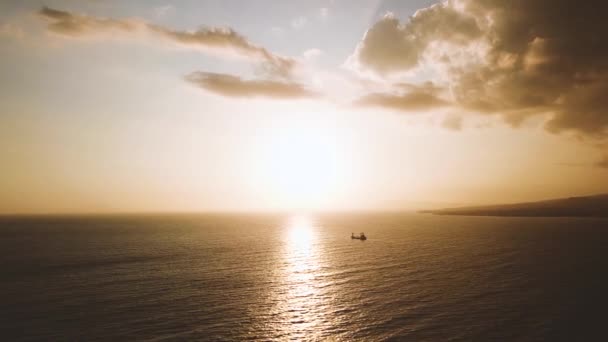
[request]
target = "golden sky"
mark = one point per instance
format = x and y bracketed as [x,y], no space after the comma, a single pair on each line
[110,106]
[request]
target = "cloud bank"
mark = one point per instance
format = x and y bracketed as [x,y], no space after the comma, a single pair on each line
[512,58]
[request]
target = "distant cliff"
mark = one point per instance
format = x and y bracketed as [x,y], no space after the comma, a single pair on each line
[591,206]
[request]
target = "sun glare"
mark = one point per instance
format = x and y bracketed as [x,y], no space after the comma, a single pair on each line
[300,230]
[303,297]
[301,166]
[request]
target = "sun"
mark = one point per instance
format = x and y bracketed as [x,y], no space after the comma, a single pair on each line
[301,166]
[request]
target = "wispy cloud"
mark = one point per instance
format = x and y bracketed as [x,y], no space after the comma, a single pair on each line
[222,39]
[233,86]
[406,98]
[70,24]
[226,39]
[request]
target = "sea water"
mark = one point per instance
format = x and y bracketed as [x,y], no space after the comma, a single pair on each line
[222,277]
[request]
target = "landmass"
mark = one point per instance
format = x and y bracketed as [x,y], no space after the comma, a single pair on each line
[583,206]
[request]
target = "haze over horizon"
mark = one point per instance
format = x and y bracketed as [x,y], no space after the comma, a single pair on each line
[108,106]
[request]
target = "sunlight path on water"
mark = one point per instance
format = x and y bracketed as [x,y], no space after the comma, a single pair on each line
[301,303]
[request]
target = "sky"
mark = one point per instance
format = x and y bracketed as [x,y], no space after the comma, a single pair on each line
[146,106]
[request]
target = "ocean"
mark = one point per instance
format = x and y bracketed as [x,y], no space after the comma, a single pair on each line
[220,277]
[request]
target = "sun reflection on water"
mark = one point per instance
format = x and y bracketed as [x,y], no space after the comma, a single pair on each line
[300,232]
[301,304]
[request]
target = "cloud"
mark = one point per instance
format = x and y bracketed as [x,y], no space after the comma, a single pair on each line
[407,102]
[233,86]
[221,39]
[69,24]
[406,98]
[226,39]
[385,47]
[516,59]
[390,46]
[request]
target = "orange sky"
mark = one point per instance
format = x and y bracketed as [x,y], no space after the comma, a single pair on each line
[323,105]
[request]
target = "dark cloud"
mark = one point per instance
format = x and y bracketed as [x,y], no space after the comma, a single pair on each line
[525,57]
[386,47]
[213,38]
[390,46]
[233,86]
